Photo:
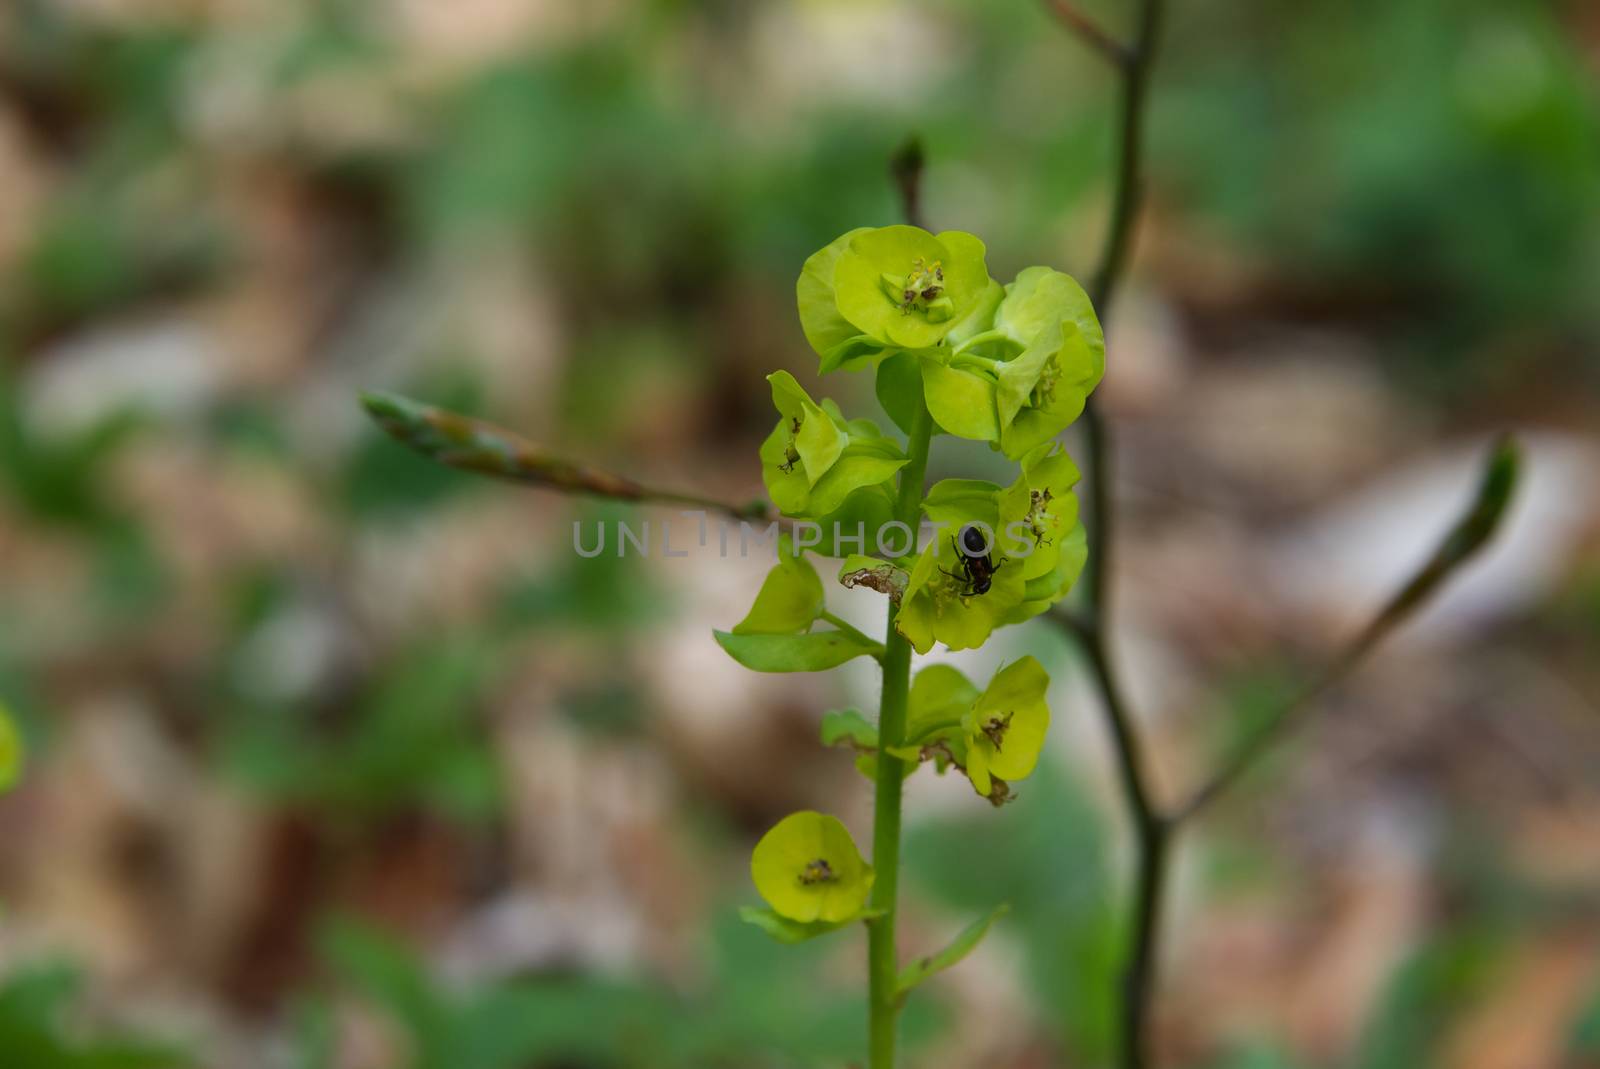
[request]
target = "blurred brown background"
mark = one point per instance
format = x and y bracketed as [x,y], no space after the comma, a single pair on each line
[338,759]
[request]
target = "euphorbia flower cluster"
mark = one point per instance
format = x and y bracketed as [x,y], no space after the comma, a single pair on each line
[952,351]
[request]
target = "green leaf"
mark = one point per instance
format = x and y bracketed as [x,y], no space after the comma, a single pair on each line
[785,930]
[856,354]
[899,388]
[862,465]
[849,727]
[814,651]
[958,948]
[791,932]
[962,402]
[1583,1040]
[790,599]
[864,512]
[957,501]
[940,696]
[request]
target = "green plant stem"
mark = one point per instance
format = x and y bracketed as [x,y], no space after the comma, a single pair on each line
[882,961]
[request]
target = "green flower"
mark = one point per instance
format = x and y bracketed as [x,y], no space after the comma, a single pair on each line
[1041,391]
[814,459]
[994,737]
[1005,729]
[895,287]
[11,750]
[946,599]
[808,869]
[1042,505]
[1019,369]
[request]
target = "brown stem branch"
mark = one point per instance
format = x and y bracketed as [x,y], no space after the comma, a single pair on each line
[1153,831]
[475,445]
[1470,533]
[1091,33]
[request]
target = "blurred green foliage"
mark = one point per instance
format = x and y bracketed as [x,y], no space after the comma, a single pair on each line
[1428,172]
[1049,856]
[411,736]
[764,1007]
[38,1030]
[1427,992]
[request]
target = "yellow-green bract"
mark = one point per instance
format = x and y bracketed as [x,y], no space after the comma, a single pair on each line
[939,603]
[995,736]
[1019,372]
[893,287]
[11,750]
[808,869]
[1005,727]
[815,459]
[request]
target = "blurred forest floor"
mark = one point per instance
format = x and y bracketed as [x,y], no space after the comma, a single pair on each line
[342,760]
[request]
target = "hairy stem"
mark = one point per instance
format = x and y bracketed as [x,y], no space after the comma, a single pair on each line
[882,962]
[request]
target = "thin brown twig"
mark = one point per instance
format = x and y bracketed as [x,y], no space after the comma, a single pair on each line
[1092,33]
[1464,540]
[1153,831]
[476,445]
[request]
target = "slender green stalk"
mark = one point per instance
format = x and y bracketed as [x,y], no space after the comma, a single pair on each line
[882,962]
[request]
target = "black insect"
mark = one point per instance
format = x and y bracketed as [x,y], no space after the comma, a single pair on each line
[977,565]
